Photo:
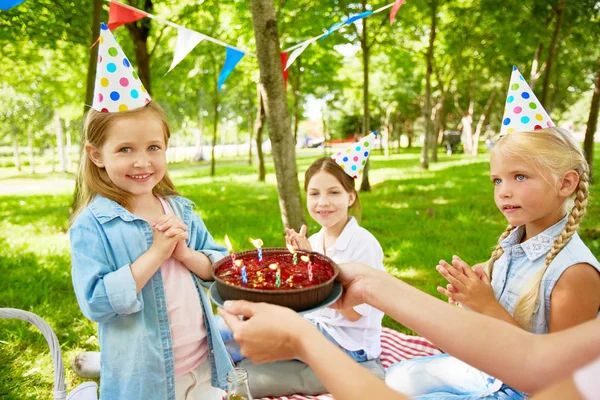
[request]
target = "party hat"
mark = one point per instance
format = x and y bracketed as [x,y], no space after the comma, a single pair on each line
[523,111]
[353,159]
[118,87]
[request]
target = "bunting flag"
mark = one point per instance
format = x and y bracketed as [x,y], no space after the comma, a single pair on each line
[6,4]
[332,29]
[357,17]
[523,111]
[118,87]
[395,8]
[186,41]
[232,58]
[296,53]
[284,58]
[119,14]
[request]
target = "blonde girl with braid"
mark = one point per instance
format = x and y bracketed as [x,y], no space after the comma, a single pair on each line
[540,277]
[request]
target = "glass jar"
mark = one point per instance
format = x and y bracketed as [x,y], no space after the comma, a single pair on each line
[237,385]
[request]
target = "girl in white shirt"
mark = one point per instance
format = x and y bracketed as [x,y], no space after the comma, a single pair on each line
[331,198]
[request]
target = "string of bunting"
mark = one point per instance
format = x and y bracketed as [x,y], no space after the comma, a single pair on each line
[187,39]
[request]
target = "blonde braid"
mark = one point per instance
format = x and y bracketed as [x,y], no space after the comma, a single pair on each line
[497,253]
[526,306]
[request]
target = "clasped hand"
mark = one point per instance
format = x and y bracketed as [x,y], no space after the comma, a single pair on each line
[468,287]
[170,234]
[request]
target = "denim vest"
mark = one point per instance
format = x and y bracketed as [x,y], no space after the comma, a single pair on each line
[520,261]
[134,333]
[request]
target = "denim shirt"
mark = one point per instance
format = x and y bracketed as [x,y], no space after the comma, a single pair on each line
[134,333]
[520,261]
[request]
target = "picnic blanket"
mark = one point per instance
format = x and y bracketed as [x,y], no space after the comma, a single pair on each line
[395,347]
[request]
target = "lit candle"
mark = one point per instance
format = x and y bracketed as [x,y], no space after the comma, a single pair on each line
[230,248]
[258,244]
[240,263]
[294,254]
[310,267]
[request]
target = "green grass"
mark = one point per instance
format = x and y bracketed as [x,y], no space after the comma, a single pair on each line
[417,216]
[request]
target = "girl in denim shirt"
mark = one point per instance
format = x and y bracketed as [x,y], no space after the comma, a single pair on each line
[540,277]
[139,253]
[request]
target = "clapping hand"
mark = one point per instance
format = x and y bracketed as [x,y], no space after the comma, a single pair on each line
[297,239]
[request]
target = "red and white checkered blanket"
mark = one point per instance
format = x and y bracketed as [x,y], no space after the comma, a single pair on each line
[395,347]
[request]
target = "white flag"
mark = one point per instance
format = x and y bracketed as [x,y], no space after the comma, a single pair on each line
[296,53]
[186,41]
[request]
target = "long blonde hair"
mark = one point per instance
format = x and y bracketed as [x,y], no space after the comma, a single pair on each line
[95,180]
[556,150]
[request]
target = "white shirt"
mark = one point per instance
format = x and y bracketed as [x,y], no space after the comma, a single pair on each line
[357,245]
[586,380]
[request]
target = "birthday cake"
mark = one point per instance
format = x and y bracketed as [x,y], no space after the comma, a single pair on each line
[299,281]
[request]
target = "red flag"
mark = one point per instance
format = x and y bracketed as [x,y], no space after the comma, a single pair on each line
[395,9]
[119,14]
[284,58]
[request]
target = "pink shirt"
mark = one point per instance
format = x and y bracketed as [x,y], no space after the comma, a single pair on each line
[186,319]
[586,380]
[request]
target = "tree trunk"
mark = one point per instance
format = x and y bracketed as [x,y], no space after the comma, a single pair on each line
[60,144]
[89,95]
[68,147]
[16,155]
[427,107]
[592,124]
[139,32]
[535,74]
[250,135]
[93,60]
[258,129]
[30,152]
[214,138]
[467,128]
[482,118]
[560,8]
[409,133]
[365,185]
[199,156]
[273,94]
[297,98]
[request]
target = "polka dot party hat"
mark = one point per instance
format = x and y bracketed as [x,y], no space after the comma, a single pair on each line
[118,87]
[523,111]
[353,159]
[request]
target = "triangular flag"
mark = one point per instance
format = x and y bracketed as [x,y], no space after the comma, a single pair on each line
[6,4]
[353,159]
[523,111]
[395,8]
[284,58]
[232,58]
[118,87]
[186,41]
[296,53]
[119,14]
[332,29]
[357,17]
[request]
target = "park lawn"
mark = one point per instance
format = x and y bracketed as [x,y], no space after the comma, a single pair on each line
[417,216]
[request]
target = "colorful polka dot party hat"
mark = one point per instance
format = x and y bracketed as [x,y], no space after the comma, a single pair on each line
[523,111]
[118,87]
[353,159]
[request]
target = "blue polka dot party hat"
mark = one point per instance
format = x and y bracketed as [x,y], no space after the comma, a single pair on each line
[523,111]
[118,86]
[353,159]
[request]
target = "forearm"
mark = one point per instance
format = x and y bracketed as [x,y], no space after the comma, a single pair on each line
[486,343]
[498,312]
[199,264]
[144,267]
[326,360]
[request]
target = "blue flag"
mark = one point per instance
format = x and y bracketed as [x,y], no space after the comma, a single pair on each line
[232,58]
[6,4]
[332,29]
[357,17]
